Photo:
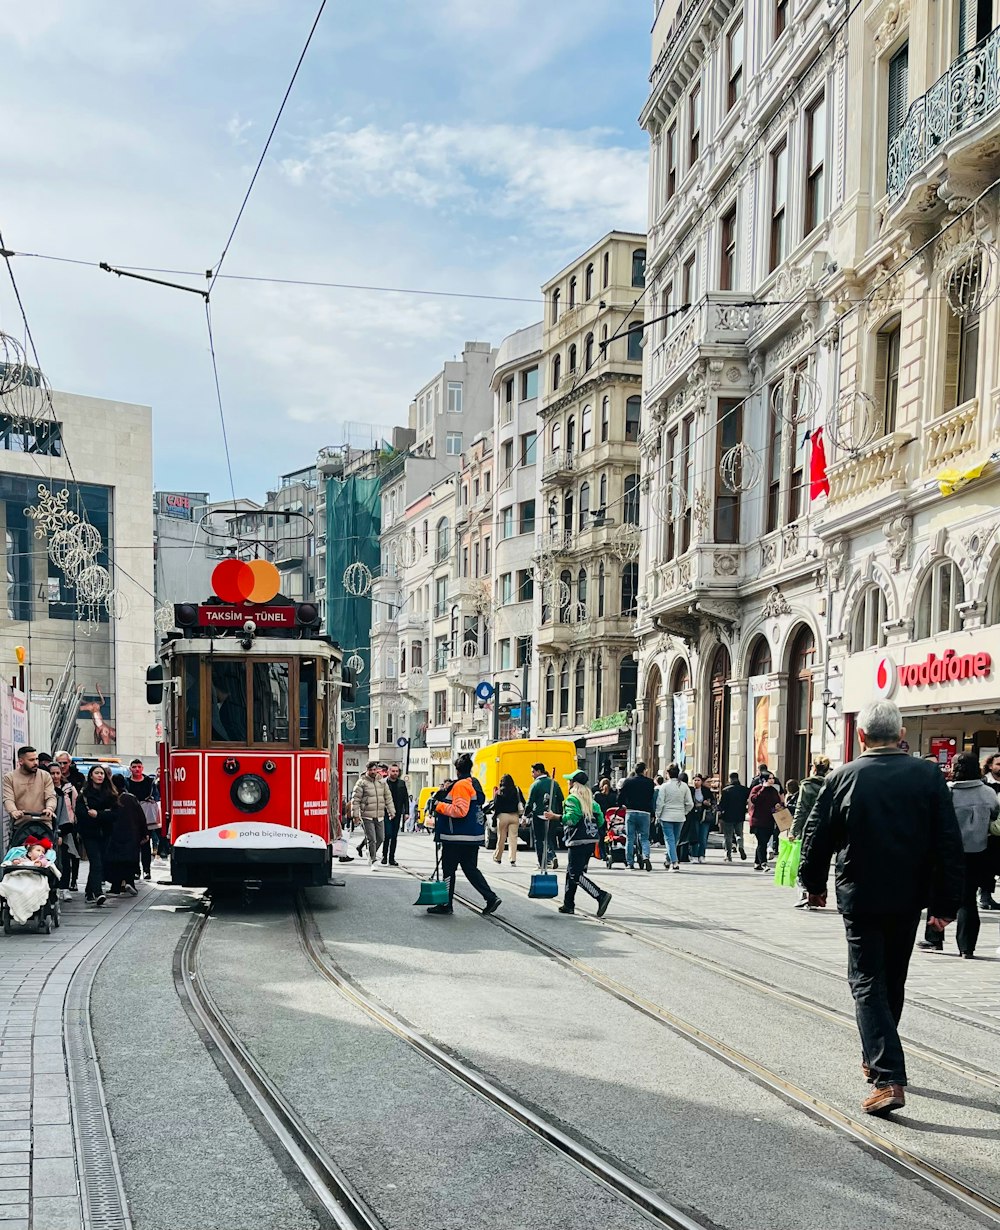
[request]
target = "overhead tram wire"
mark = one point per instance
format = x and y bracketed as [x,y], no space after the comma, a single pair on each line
[218,396]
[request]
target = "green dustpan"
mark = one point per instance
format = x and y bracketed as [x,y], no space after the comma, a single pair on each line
[434,892]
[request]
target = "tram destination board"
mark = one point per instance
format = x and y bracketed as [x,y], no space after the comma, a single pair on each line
[237,616]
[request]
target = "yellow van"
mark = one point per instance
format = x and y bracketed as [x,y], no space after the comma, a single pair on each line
[423,799]
[516,756]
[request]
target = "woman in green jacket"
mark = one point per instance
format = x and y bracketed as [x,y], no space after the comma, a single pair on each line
[809,789]
[583,826]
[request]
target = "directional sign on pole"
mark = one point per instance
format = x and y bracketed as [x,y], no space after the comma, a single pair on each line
[484,691]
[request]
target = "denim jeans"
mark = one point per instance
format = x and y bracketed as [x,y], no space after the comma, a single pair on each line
[878,955]
[543,830]
[671,831]
[733,835]
[636,833]
[700,843]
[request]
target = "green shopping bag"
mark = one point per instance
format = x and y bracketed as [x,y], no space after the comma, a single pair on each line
[786,869]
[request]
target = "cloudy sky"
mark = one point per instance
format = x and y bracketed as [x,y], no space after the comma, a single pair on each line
[454,145]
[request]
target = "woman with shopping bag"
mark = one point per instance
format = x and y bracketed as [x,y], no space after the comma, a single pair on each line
[765,799]
[805,800]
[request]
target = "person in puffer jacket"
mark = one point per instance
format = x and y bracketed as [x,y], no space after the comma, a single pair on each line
[460,829]
[583,827]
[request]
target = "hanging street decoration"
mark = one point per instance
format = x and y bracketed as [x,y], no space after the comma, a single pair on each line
[853,422]
[971,277]
[796,397]
[356,663]
[13,363]
[625,542]
[740,468]
[358,579]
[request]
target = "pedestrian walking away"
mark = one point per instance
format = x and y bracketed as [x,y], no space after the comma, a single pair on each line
[371,803]
[397,816]
[976,808]
[986,901]
[544,796]
[809,789]
[672,801]
[583,825]
[508,807]
[65,825]
[95,805]
[889,819]
[127,836]
[733,801]
[636,796]
[703,804]
[460,828]
[764,798]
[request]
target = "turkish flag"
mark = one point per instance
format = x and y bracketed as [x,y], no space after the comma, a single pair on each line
[819,484]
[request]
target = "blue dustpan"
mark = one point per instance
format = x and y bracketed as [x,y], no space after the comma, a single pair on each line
[543,885]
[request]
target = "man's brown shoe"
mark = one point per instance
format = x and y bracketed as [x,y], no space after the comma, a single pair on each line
[884,1099]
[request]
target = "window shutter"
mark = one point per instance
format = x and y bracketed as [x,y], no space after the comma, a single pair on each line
[881,374]
[966,28]
[899,73]
[953,351]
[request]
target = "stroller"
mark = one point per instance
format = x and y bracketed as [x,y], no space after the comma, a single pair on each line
[47,914]
[615,838]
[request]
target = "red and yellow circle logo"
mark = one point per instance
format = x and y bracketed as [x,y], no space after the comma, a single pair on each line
[256,580]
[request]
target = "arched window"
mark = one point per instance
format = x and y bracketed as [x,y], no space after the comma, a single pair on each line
[800,690]
[639,267]
[718,723]
[607,269]
[630,504]
[602,501]
[867,631]
[579,680]
[600,590]
[588,352]
[556,371]
[442,540]
[585,507]
[555,305]
[630,588]
[572,291]
[586,427]
[651,740]
[635,342]
[628,680]
[556,437]
[599,686]
[937,603]
[605,420]
[588,282]
[760,657]
[680,678]
[571,436]
[550,695]
[568,513]
[633,414]
[564,596]
[572,358]
[581,586]
[564,694]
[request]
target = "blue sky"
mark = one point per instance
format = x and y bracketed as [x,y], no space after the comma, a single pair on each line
[470,145]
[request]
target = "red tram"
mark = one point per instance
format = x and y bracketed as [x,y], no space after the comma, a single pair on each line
[250,759]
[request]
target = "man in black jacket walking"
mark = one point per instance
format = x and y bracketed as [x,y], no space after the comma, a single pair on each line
[636,796]
[889,818]
[400,810]
[733,810]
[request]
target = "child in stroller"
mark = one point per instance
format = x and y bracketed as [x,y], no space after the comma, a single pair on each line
[29,880]
[615,837]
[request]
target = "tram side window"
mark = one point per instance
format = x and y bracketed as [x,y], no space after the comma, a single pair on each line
[191,685]
[307,703]
[271,703]
[229,702]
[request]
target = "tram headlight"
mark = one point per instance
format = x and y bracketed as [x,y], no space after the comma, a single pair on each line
[250,792]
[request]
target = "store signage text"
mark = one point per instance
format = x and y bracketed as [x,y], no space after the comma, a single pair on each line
[237,616]
[950,667]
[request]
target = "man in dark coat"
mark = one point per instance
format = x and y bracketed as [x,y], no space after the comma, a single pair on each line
[889,818]
[400,810]
[733,810]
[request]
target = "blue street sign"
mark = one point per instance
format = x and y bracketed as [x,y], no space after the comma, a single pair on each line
[402,741]
[484,691]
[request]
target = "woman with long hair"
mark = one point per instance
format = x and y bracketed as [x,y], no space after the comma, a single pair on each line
[703,801]
[583,825]
[95,806]
[765,797]
[124,845]
[508,806]
[65,825]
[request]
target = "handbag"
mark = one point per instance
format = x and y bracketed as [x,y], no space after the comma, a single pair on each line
[783,818]
[151,811]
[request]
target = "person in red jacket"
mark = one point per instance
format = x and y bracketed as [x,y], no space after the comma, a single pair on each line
[460,829]
[764,799]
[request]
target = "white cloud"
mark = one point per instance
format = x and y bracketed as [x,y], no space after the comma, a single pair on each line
[577,181]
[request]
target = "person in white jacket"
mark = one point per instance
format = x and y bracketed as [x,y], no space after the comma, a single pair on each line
[673,801]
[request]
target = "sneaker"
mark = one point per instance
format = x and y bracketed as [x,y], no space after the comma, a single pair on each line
[563,909]
[555,864]
[131,890]
[647,865]
[603,901]
[440,909]
[930,946]
[743,855]
[385,862]
[100,899]
[393,863]
[676,866]
[492,905]
[883,1099]
[802,904]
[147,876]
[346,858]
[372,865]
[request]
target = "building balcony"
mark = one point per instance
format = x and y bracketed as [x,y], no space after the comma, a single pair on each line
[558,467]
[467,672]
[874,472]
[950,122]
[722,321]
[951,435]
[555,542]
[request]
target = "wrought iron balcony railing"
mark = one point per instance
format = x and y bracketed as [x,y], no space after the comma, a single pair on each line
[959,100]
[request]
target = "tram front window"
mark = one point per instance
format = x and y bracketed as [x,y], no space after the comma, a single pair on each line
[307,702]
[270,703]
[192,700]
[229,702]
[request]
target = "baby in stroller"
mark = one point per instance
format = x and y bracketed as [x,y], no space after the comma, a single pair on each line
[615,839]
[29,881]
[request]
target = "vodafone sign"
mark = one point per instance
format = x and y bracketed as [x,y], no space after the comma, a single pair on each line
[935,671]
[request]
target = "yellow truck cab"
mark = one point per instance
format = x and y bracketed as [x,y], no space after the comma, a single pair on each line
[516,756]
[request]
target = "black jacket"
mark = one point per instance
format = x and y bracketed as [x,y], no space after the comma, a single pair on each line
[400,797]
[889,819]
[733,803]
[636,793]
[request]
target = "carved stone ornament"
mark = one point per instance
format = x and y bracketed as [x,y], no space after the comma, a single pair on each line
[790,539]
[836,561]
[768,553]
[776,604]
[701,510]
[726,563]
[975,543]
[887,292]
[734,375]
[896,16]
[897,540]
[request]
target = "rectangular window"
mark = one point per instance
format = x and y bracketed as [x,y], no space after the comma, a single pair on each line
[229,702]
[523,651]
[899,91]
[487,559]
[727,241]
[686,480]
[605,420]
[42,438]
[773,468]
[475,559]
[728,433]
[694,125]
[633,412]
[525,585]
[780,17]
[453,444]
[505,656]
[887,377]
[690,279]
[507,588]
[815,156]
[440,708]
[734,64]
[507,457]
[671,162]
[796,473]
[454,397]
[526,517]
[779,203]
[671,472]
[529,444]
[529,384]
[440,597]
[507,523]
[441,652]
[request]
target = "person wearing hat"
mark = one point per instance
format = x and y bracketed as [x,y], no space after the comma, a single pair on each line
[461,830]
[583,827]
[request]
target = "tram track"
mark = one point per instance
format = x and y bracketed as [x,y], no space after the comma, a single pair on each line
[944,1184]
[340,1205]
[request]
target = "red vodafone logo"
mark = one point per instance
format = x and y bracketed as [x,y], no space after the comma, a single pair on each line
[886,677]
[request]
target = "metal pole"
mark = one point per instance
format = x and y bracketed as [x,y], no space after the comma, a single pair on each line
[496,710]
[525,706]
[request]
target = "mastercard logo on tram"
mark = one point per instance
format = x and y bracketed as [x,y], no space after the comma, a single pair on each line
[236,580]
[227,834]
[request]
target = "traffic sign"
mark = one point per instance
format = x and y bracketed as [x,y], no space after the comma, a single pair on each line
[484,691]
[402,741]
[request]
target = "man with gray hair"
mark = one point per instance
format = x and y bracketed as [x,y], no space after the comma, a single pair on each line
[889,818]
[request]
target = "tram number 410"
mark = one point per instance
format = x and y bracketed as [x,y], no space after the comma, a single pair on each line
[180,774]
[322,776]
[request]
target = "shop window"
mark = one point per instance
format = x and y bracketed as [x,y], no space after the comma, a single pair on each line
[937,603]
[867,631]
